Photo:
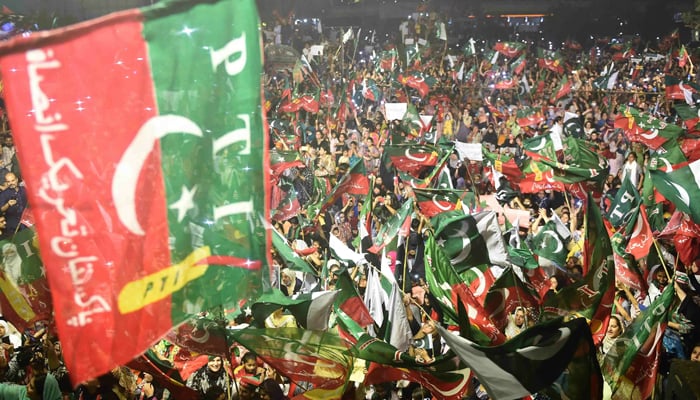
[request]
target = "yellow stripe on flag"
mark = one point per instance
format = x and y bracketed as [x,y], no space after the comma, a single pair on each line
[155,287]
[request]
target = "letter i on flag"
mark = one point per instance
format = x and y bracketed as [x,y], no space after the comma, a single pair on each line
[145,165]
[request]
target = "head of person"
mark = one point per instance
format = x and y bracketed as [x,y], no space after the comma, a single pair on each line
[35,387]
[288,277]
[11,180]
[519,316]
[695,353]
[271,390]
[215,363]
[250,363]
[660,277]
[4,329]
[615,327]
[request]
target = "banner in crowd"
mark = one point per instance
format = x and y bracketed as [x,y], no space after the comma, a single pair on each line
[144,154]
[25,299]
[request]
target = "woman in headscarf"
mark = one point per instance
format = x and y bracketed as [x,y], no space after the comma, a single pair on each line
[615,329]
[210,375]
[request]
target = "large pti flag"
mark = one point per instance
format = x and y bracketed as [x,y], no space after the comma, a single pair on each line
[145,165]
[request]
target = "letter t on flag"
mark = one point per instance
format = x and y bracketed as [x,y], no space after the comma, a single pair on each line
[142,142]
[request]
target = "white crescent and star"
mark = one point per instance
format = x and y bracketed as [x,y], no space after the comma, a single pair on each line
[184,203]
[482,282]
[438,205]
[412,157]
[126,174]
[560,245]
[539,147]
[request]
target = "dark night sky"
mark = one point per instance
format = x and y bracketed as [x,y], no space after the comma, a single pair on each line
[602,17]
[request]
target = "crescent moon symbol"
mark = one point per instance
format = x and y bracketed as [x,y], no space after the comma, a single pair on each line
[130,165]
[482,282]
[653,135]
[438,205]
[466,249]
[637,226]
[418,159]
[544,353]
[667,163]
[502,305]
[543,142]
[560,245]
[682,193]
[465,373]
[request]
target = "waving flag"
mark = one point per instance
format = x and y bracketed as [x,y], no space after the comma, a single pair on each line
[509,49]
[681,186]
[677,89]
[643,128]
[535,360]
[470,240]
[639,342]
[625,204]
[24,290]
[318,357]
[434,201]
[144,211]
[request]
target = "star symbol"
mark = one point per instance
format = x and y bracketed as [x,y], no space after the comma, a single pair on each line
[184,203]
[441,242]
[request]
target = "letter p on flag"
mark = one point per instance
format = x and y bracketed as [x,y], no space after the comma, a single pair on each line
[133,144]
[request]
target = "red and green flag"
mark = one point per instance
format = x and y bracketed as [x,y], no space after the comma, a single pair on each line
[562,89]
[683,56]
[518,66]
[637,346]
[387,60]
[677,89]
[151,193]
[434,201]
[528,116]
[411,158]
[551,60]
[509,49]
[321,358]
[353,182]
[507,82]
[690,116]
[417,81]
[643,128]
[24,290]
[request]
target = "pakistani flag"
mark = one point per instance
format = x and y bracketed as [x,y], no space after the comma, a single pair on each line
[291,258]
[311,310]
[470,240]
[159,174]
[540,357]
[682,187]
[548,244]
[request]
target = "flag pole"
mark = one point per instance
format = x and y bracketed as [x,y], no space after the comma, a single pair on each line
[661,257]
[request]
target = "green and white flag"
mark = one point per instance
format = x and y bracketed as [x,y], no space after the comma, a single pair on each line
[311,310]
[625,205]
[143,144]
[533,361]
[470,240]
[682,187]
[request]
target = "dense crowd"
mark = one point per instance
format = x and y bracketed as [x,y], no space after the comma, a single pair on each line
[476,98]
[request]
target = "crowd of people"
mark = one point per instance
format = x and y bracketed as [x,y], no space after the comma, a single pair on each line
[347,124]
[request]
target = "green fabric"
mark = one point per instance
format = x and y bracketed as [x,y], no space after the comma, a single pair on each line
[215,46]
